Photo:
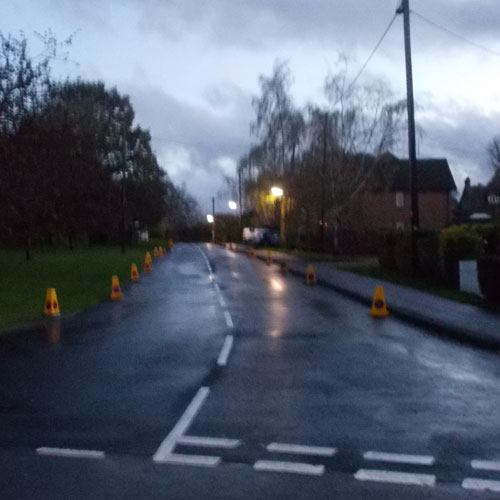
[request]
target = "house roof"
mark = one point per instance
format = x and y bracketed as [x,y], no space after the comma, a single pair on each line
[433,174]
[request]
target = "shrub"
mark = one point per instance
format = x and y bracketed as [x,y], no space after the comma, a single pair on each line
[488,270]
[462,242]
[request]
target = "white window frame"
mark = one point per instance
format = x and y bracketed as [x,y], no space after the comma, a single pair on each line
[400,199]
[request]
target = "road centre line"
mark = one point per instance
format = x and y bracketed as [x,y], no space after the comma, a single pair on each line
[226,349]
[209,442]
[229,321]
[385,476]
[480,484]
[399,458]
[290,467]
[299,449]
[485,465]
[167,446]
[72,453]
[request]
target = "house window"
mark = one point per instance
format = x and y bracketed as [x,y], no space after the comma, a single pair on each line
[400,199]
[400,226]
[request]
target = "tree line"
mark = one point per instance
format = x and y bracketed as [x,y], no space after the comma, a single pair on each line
[73,162]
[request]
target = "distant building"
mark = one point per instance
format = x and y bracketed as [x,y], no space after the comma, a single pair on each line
[384,203]
[478,203]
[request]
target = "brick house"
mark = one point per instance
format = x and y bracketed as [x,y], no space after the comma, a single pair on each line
[384,203]
[479,203]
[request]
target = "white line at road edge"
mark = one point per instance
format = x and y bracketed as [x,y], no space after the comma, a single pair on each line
[229,321]
[167,446]
[67,452]
[291,467]
[206,259]
[226,349]
[299,449]
[485,465]
[385,476]
[209,442]
[398,458]
[480,484]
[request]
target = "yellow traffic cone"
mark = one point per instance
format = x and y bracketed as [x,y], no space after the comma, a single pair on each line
[160,252]
[134,273]
[251,253]
[116,291]
[379,307]
[283,267]
[170,243]
[269,258]
[311,275]
[51,306]
[148,258]
[148,265]
[155,252]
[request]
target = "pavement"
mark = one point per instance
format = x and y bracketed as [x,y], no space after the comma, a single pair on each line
[463,322]
[217,377]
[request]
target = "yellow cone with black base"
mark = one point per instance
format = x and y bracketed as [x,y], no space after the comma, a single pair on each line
[311,275]
[116,291]
[134,273]
[251,253]
[283,267]
[379,307]
[269,258]
[51,305]
[148,266]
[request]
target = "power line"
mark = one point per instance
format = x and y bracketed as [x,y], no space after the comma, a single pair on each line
[373,51]
[456,35]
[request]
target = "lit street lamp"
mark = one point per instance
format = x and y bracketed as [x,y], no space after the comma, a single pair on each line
[210,218]
[232,205]
[276,191]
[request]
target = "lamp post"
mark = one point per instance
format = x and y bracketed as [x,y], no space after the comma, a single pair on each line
[278,192]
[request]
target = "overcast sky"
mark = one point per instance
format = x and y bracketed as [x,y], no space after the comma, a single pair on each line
[191,68]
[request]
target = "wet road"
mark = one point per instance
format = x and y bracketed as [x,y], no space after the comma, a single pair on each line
[216,374]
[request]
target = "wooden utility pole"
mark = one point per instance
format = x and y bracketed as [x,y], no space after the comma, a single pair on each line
[412,150]
[213,223]
[323,183]
[240,203]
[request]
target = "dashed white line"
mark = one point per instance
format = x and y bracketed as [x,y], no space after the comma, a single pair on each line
[222,302]
[480,484]
[167,446]
[197,460]
[226,349]
[485,465]
[67,452]
[321,451]
[399,458]
[290,467]
[206,259]
[229,321]
[385,476]
[209,442]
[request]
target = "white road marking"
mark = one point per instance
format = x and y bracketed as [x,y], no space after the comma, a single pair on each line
[226,349]
[485,465]
[399,458]
[299,449]
[385,476]
[67,452]
[198,460]
[209,442]
[480,484]
[222,302]
[229,321]
[167,446]
[206,259]
[291,467]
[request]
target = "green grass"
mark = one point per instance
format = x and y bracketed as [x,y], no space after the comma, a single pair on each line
[375,271]
[81,277]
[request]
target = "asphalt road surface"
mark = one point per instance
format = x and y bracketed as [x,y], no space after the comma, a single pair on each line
[217,377]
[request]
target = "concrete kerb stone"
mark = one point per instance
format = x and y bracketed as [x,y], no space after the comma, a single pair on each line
[433,325]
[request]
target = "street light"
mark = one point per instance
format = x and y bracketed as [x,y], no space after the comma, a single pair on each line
[232,205]
[210,218]
[276,191]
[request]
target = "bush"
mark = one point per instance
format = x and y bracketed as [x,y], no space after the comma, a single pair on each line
[488,270]
[463,242]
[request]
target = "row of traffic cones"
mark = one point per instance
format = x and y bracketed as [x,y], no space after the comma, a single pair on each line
[379,306]
[51,304]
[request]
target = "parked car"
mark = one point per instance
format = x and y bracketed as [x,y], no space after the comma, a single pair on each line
[261,236]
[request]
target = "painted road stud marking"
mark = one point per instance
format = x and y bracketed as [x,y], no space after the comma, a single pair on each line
[226,349]
[399,458]
[320,451]
[70,453]
[480,484]
[485,465]
[209,442]
[229,321]
[385,476]
[289,467]
[167,446]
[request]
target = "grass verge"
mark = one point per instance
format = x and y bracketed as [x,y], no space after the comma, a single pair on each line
[81,277]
